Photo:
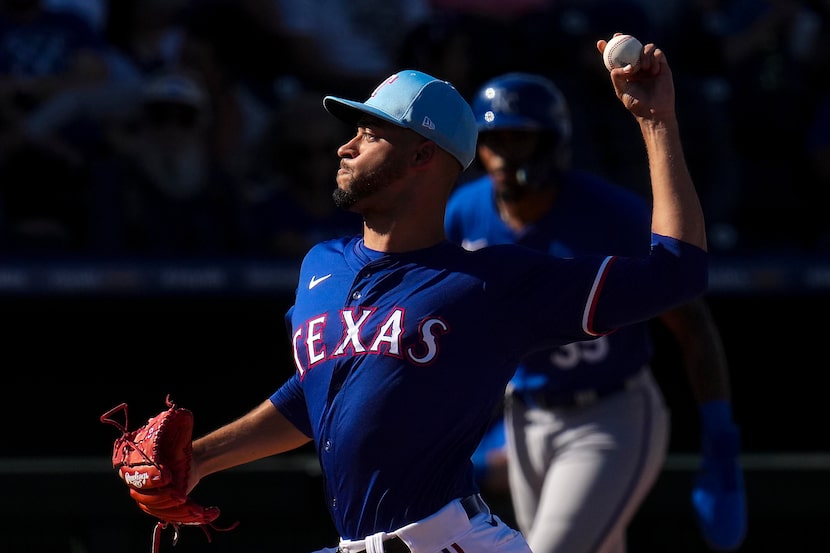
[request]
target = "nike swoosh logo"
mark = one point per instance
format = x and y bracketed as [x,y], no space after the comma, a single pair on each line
[315,281]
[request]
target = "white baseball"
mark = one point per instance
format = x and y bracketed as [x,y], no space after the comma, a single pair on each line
[622,50]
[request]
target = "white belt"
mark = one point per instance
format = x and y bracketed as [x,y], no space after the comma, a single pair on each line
[429,534]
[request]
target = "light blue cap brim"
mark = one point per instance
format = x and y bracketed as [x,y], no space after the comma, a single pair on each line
[414,100]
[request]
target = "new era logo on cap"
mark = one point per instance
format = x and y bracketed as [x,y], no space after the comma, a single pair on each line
[431,107]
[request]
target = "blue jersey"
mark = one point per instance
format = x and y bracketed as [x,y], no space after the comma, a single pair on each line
[402,358]
[589,216]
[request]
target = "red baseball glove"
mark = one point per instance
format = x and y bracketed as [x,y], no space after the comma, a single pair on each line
[154,462]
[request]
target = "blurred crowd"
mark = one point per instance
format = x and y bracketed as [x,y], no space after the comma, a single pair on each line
[196,128]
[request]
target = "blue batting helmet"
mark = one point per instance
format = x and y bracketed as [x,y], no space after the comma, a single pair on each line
[526,102]
[522,101]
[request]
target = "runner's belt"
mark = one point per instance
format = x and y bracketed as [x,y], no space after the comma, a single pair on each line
[553,399]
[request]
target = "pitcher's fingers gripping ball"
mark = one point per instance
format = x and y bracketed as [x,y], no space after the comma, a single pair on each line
[154,461]
[622,50]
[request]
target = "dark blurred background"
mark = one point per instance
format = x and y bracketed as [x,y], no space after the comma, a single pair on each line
[164,164]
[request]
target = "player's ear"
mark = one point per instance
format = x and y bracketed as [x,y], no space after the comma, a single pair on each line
[424,152]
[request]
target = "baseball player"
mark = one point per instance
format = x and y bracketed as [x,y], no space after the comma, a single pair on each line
[404,342]
[587,428]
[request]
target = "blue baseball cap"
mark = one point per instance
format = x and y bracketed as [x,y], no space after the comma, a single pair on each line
[414,100]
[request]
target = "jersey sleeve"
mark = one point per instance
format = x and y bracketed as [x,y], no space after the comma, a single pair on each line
[289,400]
[632,289]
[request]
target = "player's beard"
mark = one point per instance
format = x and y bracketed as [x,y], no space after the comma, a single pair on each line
[366,185]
